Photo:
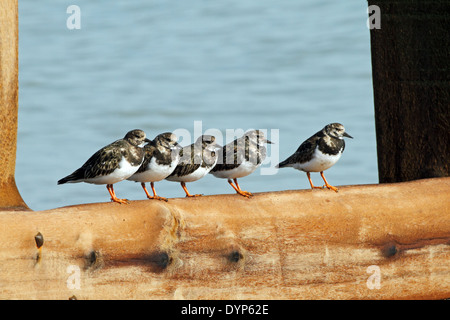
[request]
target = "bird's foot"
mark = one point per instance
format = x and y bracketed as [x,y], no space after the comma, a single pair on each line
[193,195]
[244,193]
[330,187]
[124,201]
[158,198]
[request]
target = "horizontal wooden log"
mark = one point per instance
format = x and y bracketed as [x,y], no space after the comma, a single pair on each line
[388,241]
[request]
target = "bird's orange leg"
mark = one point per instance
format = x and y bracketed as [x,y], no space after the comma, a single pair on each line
[310,182]
[327,184]
[113,195]
[155,196]
[238,189]
[183,185]
[145,190]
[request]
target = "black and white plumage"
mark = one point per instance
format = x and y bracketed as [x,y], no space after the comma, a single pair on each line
[240,158]
[112,163]
[196,160]
[320,152]
[160,160]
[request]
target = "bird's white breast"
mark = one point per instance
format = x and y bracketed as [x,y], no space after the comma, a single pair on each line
[191,177]
[319,162]
[154,172]
[124,171]
[244,169]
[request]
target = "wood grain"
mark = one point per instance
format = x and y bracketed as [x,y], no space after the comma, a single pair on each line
[300,244]
[9,87]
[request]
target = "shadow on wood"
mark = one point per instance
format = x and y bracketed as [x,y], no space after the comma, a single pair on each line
[386,241]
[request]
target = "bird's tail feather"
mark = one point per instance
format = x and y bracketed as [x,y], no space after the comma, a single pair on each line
[282,164]
[74,177]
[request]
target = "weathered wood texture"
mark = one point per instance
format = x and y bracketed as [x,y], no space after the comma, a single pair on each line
[411,81]
[9,195]
[300,244]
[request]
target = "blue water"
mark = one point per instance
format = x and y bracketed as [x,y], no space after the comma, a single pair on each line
[289,67]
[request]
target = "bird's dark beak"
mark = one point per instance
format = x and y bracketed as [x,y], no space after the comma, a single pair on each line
[269,142]
[147,140]
[347,135]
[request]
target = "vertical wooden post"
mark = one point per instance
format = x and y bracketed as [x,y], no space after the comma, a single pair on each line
[411,69]
[9,31]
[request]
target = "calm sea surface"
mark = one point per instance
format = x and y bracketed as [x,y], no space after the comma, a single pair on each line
[286,66]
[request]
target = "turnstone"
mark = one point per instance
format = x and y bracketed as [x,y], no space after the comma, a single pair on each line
[160,159]
[196,160]
[240,158]
[113,163]
[319,152]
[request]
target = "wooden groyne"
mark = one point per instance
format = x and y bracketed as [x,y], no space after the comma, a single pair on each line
[388,241]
